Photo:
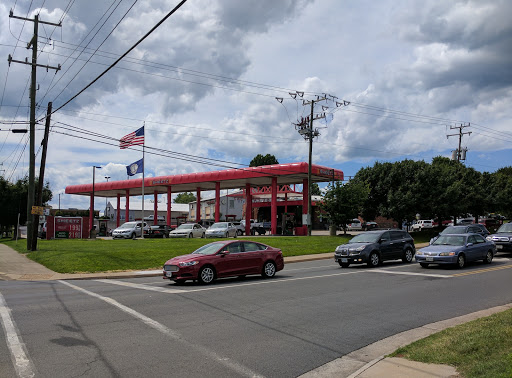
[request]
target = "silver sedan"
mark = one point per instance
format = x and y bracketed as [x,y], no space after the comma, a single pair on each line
[188,230]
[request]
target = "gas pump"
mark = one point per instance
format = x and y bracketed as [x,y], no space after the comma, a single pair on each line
[287,223]
[103,224]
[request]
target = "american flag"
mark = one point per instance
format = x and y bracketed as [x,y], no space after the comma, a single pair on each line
[132,139]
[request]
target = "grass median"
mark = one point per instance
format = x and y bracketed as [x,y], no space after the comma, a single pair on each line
[99,255]
[480,348]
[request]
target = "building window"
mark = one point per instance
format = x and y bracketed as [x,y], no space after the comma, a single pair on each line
[231,204]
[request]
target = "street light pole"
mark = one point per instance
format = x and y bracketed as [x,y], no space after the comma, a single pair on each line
[91,211]
[106,199]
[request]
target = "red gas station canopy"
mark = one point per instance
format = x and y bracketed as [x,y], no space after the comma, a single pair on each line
[293,173]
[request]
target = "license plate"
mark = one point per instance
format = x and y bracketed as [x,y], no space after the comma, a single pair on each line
[429,258]
[499,246]
[343,260]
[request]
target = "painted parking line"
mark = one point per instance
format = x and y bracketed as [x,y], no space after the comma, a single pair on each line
[493,269]
[22,364]
[174,335]
[409,273]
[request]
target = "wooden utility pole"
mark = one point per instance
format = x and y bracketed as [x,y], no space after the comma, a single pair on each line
[32,132]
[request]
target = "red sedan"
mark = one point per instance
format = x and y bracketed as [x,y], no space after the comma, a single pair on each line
[225,259]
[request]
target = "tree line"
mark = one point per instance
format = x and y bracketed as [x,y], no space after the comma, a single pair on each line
[439,190]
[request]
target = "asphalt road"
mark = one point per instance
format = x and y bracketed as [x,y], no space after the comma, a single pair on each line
[308,315]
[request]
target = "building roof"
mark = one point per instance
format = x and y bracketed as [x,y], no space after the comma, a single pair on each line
[293,173]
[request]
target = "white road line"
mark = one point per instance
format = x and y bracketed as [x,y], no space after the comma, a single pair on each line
[183,291]
[176,336]
[409,273]
[19,355]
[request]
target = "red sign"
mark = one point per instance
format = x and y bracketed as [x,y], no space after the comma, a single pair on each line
[68,227]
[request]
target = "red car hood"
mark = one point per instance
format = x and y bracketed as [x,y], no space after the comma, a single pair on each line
[183,258]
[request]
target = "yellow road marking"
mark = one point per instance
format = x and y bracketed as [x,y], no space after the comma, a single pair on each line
[483,270]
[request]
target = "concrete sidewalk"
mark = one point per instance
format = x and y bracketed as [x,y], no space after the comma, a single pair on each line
[367,362]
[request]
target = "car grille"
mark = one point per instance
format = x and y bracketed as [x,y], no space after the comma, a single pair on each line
[500,238]
[171,268]
[431,253]
[343,252]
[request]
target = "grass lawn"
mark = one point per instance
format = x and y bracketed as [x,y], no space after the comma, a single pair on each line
[481,348]
[81,256]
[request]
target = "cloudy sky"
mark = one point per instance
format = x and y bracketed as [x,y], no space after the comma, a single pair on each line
[403,73]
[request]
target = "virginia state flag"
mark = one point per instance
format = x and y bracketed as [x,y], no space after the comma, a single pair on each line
[135,168]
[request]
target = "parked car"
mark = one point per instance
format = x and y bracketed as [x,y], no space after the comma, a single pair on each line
[502,238]
[41,232]
[464,229]
[240,229]
[491,224]
[221,230]
[354,225]
[224,259]
[160,231]
[370,225]
[457,249]
[129,230]
[151,218]
[374,247]
[188,230]
[422,224]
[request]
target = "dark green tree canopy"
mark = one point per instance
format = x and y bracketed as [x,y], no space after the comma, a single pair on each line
[315,189]
[259,160]
[186,197]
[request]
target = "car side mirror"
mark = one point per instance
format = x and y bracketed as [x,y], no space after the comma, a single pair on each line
[382,240]
[223,253]
[469,244]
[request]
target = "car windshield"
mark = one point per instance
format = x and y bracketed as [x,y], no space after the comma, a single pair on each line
[450,240]
[128,225]
[454,230]
[219,225]
[208,249]
[185,227]
[507,227]
[365,238]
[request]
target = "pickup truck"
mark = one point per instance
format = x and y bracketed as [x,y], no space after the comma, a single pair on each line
[256,227]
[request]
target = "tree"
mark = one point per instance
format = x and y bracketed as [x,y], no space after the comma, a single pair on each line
[185,197]
[260,160]
[315,189]
[343,202]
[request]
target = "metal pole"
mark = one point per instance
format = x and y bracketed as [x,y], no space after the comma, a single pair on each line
[106,199]
[310,217]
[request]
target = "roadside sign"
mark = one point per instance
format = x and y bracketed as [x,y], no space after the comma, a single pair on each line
[68,227]
[37,210]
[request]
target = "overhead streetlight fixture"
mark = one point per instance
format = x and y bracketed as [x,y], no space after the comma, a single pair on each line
[19,131]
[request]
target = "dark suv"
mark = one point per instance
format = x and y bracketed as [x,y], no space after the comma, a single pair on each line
[374,247]
[502,238]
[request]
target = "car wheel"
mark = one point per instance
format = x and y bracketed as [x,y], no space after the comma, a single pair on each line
[190,235]
[424,265]
[134,236]
[206,275]
[253,232]
[374,260]
[203,235]
[226,235]
[408,255]
[488,257]
[343,265]
[461,261]
[164,236]
[238,232]
[269,269]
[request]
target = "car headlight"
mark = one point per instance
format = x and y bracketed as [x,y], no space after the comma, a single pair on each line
[488,238]
[447,254]
[189,263]
[419,252]
[360,248]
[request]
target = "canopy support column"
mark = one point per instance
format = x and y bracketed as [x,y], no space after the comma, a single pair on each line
[127,210]
[273,210]
[248,209]
[217,201]
[155,209]
[168,220]
[198,206]
[118,213]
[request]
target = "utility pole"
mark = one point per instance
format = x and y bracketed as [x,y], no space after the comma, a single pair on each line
[460,153]
[305,128]
[39,195]
[32,161]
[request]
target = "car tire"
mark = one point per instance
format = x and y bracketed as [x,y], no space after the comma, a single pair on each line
[461,261]
[206,275]
[164,236]
[374,260]
[226,234]
[203,235]
[488,257]
[253,232]
[424,265]
[190,235]
[343,265]
[133,236]
[269,269]
[408,256]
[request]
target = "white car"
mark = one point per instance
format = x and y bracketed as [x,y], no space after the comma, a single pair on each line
[355,225]
[221,230]
[422,224]
[188,230]
[129,230]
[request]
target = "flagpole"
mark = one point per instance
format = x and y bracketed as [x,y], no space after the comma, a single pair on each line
[143,168]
